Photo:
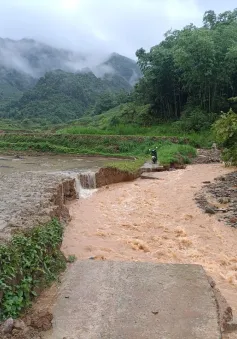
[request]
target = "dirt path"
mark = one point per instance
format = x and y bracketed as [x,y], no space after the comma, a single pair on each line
[157,221]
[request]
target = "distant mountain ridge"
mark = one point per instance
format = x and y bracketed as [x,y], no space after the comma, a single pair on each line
[33,59]
[38,80]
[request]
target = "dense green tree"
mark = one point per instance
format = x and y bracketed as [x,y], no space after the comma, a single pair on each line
[192,68]
[60,96]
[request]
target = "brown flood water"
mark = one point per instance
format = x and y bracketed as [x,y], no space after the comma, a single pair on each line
[157,221]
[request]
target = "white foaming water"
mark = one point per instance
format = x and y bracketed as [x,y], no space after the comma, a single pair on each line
[85,184]
[88,180]
[77,186]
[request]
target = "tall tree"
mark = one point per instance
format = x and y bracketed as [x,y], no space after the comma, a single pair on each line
[192,67]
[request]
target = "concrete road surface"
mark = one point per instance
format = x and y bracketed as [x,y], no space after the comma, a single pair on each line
[133,300]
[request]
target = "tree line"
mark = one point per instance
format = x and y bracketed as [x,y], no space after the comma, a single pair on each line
[191,69]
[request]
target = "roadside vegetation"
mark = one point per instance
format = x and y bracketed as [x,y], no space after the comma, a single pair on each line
[31,261]
[168,154]
[225,131]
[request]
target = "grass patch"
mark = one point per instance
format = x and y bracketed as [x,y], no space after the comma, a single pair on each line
[29,262]
[128,166]
[101,125]
[111,145]
[176,154]
[71,258]
[168,154]
[170,149]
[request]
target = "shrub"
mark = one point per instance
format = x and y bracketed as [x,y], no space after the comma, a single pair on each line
[30,261]
[195,120]
[176,154]
[225,133]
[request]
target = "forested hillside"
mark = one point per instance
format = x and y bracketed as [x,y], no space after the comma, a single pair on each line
[193,72]
[40,82]
[60,96]
[124,67]
[12,84]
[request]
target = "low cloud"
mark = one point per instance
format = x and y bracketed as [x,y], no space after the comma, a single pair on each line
[92,29]
[93,26]
[35,58]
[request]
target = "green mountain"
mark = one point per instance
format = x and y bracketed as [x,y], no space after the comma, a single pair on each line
[43,82]
[12,84]
[61,96]
[124,67]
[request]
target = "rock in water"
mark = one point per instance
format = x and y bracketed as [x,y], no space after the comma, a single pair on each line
[209,210]
[224,200]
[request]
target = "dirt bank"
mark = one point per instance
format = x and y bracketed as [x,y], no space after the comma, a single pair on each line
[108,176]
[29,199]
[220,198]
[157,221]
[207,156]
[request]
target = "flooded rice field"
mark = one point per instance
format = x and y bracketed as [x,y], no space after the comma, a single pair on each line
[51,163]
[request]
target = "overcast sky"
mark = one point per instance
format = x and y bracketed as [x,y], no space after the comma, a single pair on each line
[122,26]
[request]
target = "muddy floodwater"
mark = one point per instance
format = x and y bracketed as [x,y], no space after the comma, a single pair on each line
[158,221]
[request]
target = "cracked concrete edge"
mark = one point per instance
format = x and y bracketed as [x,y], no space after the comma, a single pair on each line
[224,311]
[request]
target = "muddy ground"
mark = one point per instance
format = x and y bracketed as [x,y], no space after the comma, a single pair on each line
[29,185]
[27,199]
[220,198]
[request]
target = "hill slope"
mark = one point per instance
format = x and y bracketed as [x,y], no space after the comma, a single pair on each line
[40,81]
[23,62]
[62,96]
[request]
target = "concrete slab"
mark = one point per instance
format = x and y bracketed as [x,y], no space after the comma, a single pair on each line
[149,176]
[149,167]
[131,300]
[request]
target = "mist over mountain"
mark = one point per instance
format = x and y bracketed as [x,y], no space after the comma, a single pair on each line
[38,80]
[35,58]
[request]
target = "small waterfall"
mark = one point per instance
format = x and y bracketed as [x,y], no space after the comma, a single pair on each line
[88,180]
[85,184]
[77,186]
